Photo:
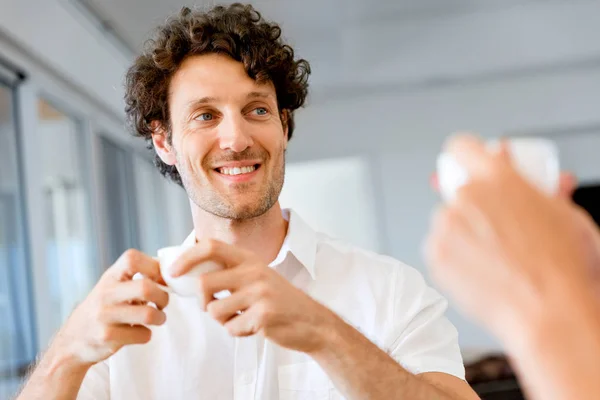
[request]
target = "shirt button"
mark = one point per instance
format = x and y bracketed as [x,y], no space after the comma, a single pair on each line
[246,378]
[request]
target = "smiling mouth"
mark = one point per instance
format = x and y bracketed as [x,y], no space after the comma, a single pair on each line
[234,171]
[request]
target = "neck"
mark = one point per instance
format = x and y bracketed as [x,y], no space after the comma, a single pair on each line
[264,235]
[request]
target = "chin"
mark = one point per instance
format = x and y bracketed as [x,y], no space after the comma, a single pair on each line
[248,212]
[236,206]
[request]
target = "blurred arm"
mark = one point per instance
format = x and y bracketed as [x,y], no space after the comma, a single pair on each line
[556,353]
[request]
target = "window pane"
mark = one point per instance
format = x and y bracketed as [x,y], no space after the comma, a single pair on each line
[144,210]
[17,344]
[120,200]
[151,207]
[69,246]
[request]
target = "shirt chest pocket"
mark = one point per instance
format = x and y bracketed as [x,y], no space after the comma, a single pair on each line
[305,381]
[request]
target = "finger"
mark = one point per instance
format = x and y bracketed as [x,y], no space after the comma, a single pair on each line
[126,334]
[132,262]
[435,236]
[229,307]
[566,185]
[229,279]
[143,291]
[471,153]
[445,242]
[246,324]
[209,250]
[503,151]
[133,315]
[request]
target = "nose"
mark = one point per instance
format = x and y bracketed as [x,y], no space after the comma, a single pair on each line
[234,135]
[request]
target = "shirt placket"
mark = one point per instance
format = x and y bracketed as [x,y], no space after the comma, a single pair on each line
[245,368]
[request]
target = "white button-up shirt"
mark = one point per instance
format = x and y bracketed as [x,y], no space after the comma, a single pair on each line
[193,357]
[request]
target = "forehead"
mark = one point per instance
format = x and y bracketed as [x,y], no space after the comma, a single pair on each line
[214,76]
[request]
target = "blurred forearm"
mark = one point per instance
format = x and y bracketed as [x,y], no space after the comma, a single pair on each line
[557,350]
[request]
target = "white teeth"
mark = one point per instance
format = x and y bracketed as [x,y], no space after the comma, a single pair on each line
[237,171]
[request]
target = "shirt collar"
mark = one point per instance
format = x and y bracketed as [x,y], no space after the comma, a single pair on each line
[300,240]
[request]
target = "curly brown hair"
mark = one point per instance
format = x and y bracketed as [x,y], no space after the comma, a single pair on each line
[238,31]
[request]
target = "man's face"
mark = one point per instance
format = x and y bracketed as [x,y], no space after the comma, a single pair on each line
[228,141]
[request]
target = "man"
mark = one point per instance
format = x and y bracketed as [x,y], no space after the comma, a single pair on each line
[526,266]
[214,95]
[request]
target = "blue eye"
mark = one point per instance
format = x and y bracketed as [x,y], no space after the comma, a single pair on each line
[261,111]
[205,117]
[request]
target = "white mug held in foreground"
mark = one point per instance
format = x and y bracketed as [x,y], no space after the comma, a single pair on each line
[186,285]
[536,159]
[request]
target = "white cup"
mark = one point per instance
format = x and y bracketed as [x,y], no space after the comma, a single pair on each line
[536,159]
[187,284]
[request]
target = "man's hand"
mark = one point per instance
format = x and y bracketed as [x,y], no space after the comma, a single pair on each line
[112,316]
[261,301]
[115,312]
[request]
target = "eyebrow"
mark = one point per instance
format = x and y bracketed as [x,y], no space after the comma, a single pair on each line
[209,99]
[259,95]
[197,102]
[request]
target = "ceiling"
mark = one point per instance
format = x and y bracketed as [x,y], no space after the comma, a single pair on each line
[133,20]
[377,42]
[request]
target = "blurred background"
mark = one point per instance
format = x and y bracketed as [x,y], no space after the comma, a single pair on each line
[391,79]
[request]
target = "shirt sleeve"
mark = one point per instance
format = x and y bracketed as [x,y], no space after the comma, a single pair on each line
[421,338]
[96,384]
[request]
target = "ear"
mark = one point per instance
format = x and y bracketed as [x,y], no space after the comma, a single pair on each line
[285,115]
[161,145]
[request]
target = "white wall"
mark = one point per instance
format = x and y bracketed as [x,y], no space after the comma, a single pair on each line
[335,196]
